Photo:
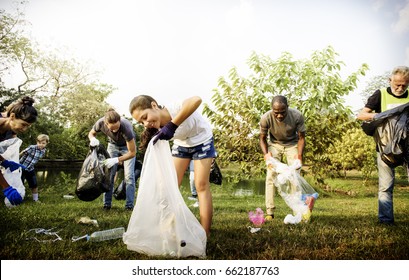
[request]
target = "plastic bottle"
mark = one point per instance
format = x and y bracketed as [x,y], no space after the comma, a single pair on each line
[108,234]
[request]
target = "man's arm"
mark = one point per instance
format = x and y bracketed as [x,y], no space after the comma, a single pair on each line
[366,114]
[263,144]
[301,145]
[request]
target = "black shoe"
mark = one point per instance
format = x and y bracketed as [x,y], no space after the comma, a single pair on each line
[129,208]
[106,208]
[386,223]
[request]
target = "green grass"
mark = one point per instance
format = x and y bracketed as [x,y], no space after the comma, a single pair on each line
[343,226]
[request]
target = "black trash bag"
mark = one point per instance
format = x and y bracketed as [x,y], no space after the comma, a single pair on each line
[120,191]
[391,139]
[369,127]
[94,178]
[215,174]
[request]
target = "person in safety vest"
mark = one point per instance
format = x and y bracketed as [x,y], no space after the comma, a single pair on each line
[382,100]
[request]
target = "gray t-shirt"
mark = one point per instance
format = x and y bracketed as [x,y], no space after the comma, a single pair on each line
[285,132]
[124,134]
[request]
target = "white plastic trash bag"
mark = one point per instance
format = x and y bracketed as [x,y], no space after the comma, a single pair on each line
[161,223]
[296,192]
[9,150]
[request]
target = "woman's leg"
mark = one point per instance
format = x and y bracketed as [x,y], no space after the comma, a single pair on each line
[181,165]
[202,173]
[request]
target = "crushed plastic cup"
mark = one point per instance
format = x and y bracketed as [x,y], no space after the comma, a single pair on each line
[88,220]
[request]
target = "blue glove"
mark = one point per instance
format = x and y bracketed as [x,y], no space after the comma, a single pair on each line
[12,195]
[12,165]
[166,132]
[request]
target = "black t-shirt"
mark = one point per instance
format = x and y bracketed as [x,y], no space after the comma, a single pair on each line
[374,101]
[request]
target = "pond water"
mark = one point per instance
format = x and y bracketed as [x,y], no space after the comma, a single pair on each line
[250,187]
[51,176]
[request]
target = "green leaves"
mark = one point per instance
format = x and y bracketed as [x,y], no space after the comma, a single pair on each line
[354,151]
[314,86]
[68,95]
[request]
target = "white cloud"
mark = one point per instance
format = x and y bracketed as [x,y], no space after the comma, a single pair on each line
[407,56]
[378,4]
[402,24]
[180,48]
[240,18]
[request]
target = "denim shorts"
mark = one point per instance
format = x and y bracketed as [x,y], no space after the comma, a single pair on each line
[205,150]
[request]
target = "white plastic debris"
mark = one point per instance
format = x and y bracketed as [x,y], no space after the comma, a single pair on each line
[296,192]
[46,232]
[88,220]
[254,230]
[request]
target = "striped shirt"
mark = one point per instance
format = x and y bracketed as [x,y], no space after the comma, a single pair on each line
[31,156]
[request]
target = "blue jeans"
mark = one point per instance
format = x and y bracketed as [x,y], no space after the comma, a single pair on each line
[129,175]
[385,195]
[30,177]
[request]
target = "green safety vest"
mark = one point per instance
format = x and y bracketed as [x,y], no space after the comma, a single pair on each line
[388,101]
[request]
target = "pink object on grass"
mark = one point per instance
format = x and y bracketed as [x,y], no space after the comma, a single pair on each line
[257,217]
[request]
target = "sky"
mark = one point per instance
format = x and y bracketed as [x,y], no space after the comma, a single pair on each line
[174,49]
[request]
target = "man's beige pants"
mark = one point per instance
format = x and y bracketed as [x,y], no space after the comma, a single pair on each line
[278,152]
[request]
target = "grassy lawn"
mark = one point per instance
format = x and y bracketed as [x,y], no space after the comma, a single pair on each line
[343,226]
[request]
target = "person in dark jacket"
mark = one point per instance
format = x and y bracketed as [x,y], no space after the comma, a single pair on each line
[380,101]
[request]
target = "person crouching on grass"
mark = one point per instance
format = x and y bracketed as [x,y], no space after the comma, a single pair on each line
[192,137]
[17,118]
[29,157]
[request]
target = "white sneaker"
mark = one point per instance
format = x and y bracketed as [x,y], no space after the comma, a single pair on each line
[196,204]
[192,198]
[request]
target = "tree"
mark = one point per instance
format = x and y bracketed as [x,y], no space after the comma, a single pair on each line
[314,86]
[375,83]
[10,36]
[354,151]
[68,95]
[13,46]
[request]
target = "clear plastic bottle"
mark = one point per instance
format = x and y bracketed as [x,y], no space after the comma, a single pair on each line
[108,234]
